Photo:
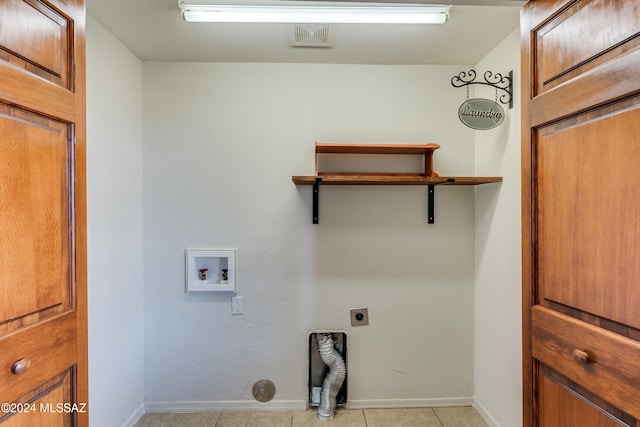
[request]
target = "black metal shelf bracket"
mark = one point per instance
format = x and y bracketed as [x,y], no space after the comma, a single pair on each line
[497,80]
[431,200]
[316,196]
[431,204]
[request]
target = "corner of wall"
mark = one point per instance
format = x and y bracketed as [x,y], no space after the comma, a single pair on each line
[114,217]
[497,300]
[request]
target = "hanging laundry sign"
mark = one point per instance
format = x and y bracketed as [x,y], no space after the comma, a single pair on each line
[481,113]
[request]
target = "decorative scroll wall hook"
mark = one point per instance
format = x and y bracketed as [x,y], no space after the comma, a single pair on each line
[497,80]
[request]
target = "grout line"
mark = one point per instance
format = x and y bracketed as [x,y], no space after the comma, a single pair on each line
[365,418]
[218,419]
[437,417]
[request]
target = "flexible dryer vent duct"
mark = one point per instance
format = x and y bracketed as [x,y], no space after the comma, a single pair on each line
[334,379]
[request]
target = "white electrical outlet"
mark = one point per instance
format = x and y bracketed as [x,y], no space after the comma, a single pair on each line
[237,305]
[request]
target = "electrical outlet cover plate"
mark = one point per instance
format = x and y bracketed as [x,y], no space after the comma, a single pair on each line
[237,305]
[359,316]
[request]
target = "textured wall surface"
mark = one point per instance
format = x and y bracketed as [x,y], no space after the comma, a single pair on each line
[221,142]
[114,210]
[498,356]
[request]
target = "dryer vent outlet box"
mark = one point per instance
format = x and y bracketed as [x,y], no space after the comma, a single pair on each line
[318,370]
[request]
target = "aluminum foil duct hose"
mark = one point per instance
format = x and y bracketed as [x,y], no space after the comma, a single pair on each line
[333,380]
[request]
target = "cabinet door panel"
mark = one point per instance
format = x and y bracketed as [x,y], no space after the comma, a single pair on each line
[563,406]
[569,44]
[581,212]
[35,36]
[588,208]
[43,317]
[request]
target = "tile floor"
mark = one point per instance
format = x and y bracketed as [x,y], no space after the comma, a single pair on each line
[410,417]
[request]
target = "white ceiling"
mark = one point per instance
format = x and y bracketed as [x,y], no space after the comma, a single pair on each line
[154,31]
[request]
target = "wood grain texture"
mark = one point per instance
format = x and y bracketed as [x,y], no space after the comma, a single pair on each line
[51,346]
[569,44]
[34,219]
[327,147]
[562,407]
[35,37]
[579,242]
[427,177]
[44,402]
[426,150]
[593,267]
[43,199]
[393,179]
[613,365]
[80,377]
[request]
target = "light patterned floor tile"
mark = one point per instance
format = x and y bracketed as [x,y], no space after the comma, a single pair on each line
[460,417]
[410,417]
[255,419]
[396,417]
[200,419]
[342,418]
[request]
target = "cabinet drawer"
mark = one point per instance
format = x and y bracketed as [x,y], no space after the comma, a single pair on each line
[28,357]
[603,362]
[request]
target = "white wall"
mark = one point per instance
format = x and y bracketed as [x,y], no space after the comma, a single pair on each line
[221,142]
[114,193]
[498,338]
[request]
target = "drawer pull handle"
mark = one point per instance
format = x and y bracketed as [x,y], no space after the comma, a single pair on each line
[580,356]
[21,366]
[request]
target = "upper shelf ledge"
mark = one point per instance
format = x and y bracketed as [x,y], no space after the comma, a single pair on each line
[422,149]
[427,177]
[327,147]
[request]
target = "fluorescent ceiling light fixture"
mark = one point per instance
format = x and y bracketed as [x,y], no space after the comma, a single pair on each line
[334,14]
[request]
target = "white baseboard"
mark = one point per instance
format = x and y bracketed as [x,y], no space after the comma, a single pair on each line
[410,403]
[135,417]
[485,414]
[231,405]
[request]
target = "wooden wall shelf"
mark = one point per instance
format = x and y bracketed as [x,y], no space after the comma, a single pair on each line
[428,177]
[390,179]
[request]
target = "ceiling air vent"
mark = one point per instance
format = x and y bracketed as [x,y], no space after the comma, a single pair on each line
[311,35]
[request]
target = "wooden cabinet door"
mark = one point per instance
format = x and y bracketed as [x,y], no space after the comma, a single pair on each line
[43,345]
[581,212]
